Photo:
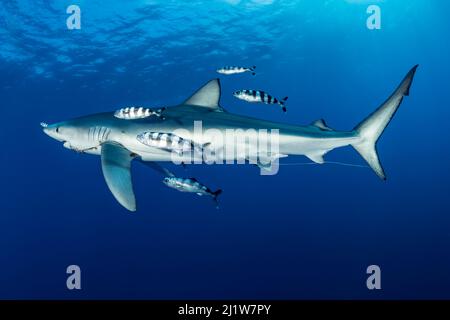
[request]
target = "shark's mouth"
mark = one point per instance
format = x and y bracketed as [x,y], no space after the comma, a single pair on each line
[79,149]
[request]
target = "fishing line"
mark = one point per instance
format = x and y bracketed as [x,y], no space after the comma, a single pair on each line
[326,162]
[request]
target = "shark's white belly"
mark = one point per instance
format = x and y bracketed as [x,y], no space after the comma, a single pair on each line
[233,146]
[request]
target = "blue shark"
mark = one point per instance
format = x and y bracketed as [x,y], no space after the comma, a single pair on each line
[115,139]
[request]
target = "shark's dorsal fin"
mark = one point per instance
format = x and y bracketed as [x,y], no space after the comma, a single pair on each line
[116,164]
[321,125]
[207,96]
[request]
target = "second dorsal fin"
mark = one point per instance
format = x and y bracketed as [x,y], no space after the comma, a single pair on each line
[321,125]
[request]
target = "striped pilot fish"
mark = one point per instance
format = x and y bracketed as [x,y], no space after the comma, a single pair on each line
[170,142]
[255,96]
[191,185]
[132,113]
[235,70]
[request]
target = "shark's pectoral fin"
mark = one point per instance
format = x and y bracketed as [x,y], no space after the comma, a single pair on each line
[116,164]
[207,96]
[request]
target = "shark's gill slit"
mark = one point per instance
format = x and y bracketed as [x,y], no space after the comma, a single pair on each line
[101,132]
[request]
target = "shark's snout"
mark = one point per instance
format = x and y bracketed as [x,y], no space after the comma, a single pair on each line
[51,131]
[44,126]
[48,131]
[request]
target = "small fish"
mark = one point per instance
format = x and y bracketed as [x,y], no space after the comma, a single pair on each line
[44,124]
[260,96]
[132,113]
[235,70]
[170,142]
[191,185]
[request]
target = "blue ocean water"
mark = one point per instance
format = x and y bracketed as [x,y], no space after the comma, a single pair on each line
[308,232]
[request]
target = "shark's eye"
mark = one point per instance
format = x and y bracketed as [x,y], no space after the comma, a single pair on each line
[57,129]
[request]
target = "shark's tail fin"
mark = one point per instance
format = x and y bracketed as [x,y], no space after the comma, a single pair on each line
[373,126]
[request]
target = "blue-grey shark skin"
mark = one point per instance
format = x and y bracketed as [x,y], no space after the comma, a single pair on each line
[90,134]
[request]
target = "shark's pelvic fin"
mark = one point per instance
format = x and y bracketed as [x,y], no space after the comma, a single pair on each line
[116,164]
[265,161]
[373,126]
[207,96]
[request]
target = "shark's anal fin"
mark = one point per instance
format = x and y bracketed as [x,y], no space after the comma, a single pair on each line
[316,157]
[116,164]
[207,96]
